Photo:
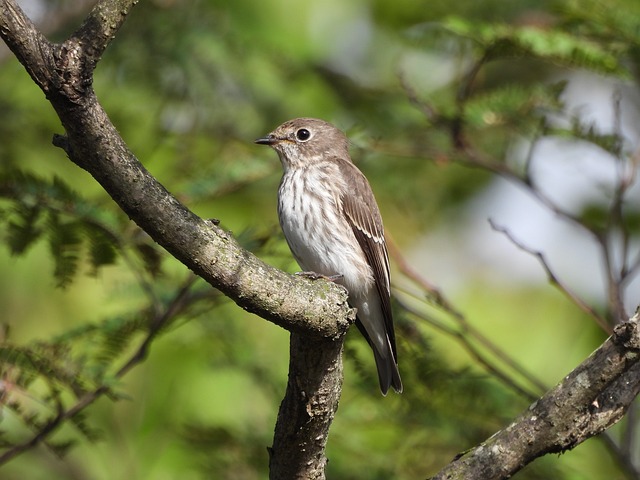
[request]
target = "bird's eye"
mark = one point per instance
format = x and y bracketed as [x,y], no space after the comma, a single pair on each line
[303,134]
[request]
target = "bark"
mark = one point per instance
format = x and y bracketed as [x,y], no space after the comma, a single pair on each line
[64,72]
[307,410]
[589,400]
[314,311]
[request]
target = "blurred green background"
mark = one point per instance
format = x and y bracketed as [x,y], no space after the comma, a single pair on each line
[189,86]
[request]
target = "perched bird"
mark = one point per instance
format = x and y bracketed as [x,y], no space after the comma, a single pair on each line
[333,226]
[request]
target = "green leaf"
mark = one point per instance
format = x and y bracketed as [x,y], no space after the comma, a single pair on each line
[23,231]
[595,216]
[64,244]
[115,336]
[151,257]
[512,105]
[553,45]
[103,246]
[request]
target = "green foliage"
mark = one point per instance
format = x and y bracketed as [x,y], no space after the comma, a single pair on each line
[610,142]
[595,216]
[42,380]
[225,450]
[514,107]
[553,45]
[64,241]
[189,100]
[50,209]
[74,229]
[42,361]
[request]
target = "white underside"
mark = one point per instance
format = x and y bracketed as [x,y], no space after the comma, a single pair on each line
[330,251]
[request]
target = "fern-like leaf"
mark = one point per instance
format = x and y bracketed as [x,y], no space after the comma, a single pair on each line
[23,231]
[64,244]
[553,45]
[102,246]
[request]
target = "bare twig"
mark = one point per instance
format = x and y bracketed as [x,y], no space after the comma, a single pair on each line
[553,278]
[464,91]
[617,273]
[622,457]
[317,310]
[465,328]
[427,110]
[615,277]
[463,338]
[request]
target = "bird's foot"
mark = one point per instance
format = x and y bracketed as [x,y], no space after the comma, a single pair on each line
[317,276]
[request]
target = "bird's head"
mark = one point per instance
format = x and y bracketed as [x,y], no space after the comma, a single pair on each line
[303,141]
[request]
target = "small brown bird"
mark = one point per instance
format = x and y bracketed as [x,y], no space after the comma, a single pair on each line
[333,226]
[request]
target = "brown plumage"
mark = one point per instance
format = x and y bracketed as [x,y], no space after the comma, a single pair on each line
[333,226]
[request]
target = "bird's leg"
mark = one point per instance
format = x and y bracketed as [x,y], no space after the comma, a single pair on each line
[317,276]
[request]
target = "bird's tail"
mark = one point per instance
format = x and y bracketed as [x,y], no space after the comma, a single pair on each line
[388,373]
[386,362]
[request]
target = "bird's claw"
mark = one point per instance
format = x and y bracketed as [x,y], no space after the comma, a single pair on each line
[317,276]
[335,278]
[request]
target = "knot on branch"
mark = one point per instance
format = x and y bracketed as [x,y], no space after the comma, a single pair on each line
[74,71]
[61,141]
[628,334]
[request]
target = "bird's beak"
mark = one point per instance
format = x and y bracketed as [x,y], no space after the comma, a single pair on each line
[267,140]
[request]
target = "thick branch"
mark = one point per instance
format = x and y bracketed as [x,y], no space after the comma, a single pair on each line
[93,143]
[306,413]
[316,310]
[26,42]
[589,400]
[100,27]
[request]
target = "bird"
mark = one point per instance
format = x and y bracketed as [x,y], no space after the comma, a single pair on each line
[332,224]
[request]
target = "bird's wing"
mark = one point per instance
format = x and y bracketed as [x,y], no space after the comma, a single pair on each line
[362,213]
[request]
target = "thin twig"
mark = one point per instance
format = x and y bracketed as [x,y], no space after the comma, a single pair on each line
[425,108]
[466,329]
[621,457]
[616,223]
[177,304]
[553,278]
[462,338]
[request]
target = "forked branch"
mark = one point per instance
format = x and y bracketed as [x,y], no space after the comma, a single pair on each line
[315,310]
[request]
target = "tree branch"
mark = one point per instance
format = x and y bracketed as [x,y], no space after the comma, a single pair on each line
[157,322]
[317,311]
[93,143]
[307,410]
[589,400]
[100,27]
[26,42]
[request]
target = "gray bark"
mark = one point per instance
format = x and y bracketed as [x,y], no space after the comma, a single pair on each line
[314,311]
[589,400]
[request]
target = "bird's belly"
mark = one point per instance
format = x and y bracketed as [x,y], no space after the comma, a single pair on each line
[323,242]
